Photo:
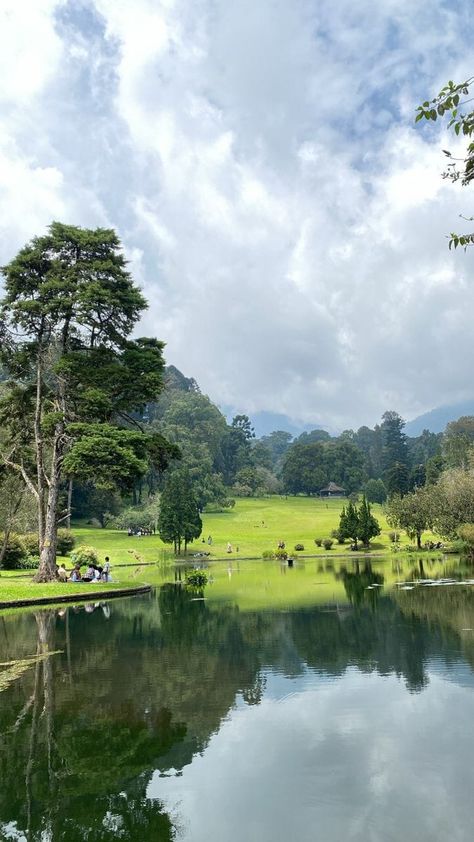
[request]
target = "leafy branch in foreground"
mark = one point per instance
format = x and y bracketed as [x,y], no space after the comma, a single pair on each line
[449,103]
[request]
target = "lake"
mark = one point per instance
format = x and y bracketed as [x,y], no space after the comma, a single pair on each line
[341,714]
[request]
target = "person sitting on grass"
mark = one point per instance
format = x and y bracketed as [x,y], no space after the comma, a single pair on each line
[61,573]
[76,574]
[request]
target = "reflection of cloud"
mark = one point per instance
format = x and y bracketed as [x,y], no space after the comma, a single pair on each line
[357,759]
[262,167]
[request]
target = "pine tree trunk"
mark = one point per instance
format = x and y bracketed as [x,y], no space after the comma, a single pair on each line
[69,503]
[39,445]
[47,566]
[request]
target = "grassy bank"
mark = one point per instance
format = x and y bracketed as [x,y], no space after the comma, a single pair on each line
[20,589]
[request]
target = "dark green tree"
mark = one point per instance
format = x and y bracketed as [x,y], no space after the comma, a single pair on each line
[394,440]
[434,468]
[368,525]
[417,476]
[349,523]
[75,376]
[375,491]
[304,471]
[179,520]
[397,479]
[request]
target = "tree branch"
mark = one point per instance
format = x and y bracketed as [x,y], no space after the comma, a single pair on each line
[21,470]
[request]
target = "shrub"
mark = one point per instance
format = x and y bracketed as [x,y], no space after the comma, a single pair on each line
[299,547]
[318,541]
[66,541]
[327,543]
[84,555]
[31,543]
[282,555]
[336,533]
[30,562]
[456,547]
[394,536]
[196,579]
[268,554]
[15,553]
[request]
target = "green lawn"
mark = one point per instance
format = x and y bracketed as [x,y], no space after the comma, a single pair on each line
[13,589]
[253,525]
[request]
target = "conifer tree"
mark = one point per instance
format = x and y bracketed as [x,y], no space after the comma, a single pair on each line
[179,520]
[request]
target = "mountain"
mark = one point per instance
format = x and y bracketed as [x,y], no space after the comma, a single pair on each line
[265,423]
[437,418]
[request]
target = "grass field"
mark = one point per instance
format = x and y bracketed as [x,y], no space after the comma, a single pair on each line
[253,526]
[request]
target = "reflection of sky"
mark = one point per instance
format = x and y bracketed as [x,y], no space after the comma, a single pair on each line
[357,758]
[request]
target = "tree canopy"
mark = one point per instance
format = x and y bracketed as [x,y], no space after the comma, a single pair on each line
[75,376]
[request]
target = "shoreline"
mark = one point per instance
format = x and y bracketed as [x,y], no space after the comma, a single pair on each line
[75,597]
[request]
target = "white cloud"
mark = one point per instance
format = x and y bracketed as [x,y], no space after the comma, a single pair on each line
[356,763]
[286,218]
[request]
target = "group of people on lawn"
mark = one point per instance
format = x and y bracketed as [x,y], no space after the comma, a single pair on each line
[94,573]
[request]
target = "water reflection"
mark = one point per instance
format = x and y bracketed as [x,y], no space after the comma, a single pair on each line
[169,717]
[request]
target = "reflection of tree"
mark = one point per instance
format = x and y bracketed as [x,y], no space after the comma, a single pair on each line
[330,641]
[451,609]
[82,733]
[64,777]
[362,586]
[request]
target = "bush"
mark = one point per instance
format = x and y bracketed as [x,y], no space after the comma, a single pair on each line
[299,547]
[66,541]
[318,541]
[456,547]
[327,543]
[84,556]
[268,554]
[282,555]
[30,562]
[31,543]
[394,536]
[196,580]
[15,553]
[336,533]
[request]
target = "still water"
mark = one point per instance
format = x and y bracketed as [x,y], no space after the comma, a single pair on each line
[170,716]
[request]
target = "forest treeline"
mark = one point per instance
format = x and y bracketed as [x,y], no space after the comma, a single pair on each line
[225,460]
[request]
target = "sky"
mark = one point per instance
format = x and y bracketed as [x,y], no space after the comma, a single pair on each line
[259,159]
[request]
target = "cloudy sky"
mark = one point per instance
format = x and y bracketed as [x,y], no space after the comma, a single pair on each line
[259,159]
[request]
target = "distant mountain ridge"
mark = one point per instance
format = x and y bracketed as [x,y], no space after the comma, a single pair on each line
[435,421]
[265,423]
